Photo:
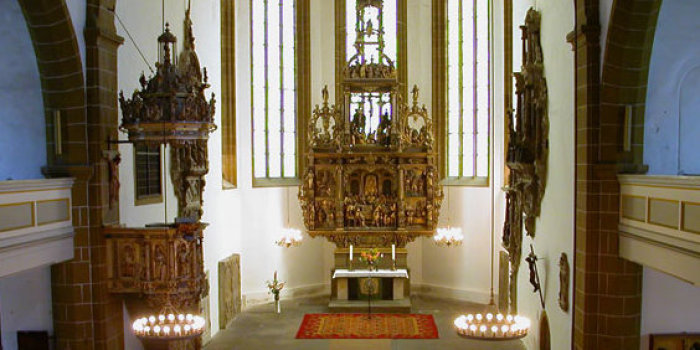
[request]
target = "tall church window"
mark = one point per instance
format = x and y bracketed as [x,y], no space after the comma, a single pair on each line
[279,60]
[467,90]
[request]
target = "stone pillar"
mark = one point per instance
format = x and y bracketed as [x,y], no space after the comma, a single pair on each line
[607,290]
[101,42]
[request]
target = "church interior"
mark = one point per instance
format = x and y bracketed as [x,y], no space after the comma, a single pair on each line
[349,174]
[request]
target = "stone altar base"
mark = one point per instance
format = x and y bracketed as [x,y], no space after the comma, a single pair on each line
[389,292]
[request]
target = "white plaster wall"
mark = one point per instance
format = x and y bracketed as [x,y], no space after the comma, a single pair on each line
[142,19]
[464,272]
[555,226]
[676,52]
[419,54]
[323,73]
[22,124]
[77,10]
[25,304]
[669,305]
[245,220]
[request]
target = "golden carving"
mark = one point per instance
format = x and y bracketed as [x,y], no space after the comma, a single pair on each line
[528,149]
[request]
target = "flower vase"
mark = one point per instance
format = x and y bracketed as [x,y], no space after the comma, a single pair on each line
[278,304]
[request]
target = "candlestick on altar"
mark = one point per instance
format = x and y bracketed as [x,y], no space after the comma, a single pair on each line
[351,252]
[393,256]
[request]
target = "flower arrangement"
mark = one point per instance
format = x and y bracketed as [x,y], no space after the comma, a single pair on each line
[371,257]
[275,286]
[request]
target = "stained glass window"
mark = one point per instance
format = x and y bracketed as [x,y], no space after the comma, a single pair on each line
[274,106]
[468,88]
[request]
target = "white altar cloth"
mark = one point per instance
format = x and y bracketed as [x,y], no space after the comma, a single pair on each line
[345,273]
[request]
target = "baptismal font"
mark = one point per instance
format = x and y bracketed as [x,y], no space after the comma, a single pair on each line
[371,179]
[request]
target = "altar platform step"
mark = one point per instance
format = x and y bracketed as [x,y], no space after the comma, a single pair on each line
[378,306]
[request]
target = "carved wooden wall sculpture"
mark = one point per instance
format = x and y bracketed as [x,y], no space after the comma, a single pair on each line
[229,289]
[528,149]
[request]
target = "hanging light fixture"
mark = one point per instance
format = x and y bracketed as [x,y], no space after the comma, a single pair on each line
[448,236]
[498,327]
[168,326]
[291,237]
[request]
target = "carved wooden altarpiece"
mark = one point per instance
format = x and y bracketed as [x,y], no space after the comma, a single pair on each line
[371,179]
[528,150]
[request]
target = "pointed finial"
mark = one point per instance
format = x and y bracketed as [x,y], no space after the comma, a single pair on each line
[324,93]
[414,92]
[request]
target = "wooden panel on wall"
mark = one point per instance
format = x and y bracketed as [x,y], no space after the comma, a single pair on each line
[663,212]
[691,217]
[16,215]
[54,210]
[633,207]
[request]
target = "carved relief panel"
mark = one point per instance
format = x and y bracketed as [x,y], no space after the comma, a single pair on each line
[229,289]
[157,262]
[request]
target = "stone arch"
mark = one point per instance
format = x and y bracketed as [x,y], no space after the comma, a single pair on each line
[61,73]
[86,315]
[607,296]
[625,71]
[688,122]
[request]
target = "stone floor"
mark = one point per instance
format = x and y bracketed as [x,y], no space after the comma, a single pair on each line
[259,328]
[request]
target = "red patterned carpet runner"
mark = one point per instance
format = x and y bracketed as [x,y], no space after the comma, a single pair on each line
[359,326]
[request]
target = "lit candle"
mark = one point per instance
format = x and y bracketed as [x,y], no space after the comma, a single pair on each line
[351,252]
[393,252]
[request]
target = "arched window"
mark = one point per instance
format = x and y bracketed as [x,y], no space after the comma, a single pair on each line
[280,81]
[393,17]
[462,94]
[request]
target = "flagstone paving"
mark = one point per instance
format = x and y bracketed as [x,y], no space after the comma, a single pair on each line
[259,328]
